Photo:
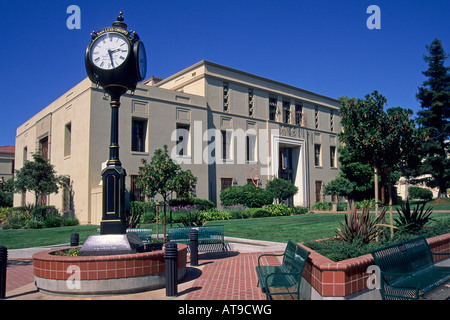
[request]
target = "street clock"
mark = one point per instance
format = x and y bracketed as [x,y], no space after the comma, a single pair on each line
[116,59]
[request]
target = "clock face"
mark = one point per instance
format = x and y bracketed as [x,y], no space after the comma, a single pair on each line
[109,51]
[142,60]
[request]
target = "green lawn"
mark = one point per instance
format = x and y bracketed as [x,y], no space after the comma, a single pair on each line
[27,238]
[300,228]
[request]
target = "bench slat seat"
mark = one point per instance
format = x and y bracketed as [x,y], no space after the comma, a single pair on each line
[408,271]
[286,275]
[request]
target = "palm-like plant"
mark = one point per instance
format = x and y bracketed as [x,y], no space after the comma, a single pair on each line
[413,221]
[364,226]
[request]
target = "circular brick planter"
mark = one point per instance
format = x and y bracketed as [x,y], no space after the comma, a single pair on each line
[91,275]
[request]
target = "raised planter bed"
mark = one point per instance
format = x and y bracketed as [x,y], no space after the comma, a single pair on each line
[325,279]
[99,275]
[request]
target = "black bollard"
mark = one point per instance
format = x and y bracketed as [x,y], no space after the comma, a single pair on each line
[193,246]
[3,262]
[170,257]
[74,239]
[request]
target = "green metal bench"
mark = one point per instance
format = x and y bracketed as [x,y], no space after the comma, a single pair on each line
[144,234]
[210,238]
[408,271]
[287,275]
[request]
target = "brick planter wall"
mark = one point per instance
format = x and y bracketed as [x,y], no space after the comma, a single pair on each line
[104,274]
[325,279]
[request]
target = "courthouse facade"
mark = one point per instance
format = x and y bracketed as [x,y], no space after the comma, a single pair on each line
[227,126]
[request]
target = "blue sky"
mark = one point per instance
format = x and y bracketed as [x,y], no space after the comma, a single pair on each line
[321,46]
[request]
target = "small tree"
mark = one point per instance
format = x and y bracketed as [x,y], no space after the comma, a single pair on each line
[163,176]
[281,189]
[37,176]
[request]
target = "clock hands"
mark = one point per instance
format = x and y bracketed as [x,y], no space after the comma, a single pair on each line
[110,52]
[111,57]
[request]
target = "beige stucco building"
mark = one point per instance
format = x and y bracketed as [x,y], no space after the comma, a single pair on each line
[6,163]
[227,126]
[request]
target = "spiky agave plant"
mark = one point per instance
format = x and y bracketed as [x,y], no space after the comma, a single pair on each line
[416,220]
[364,226]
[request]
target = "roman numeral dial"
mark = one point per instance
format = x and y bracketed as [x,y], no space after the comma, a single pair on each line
[109,51]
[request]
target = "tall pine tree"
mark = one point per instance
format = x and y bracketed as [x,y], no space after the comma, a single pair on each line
[434,118]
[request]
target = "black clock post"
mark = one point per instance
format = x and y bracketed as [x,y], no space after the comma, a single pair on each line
[116,61]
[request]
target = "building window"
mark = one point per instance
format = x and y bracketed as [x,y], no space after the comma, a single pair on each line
[333,157]
[319,191]
[251,103]
[183,139]
[251,148]
[67,139]
[226,144]
[226,97]
[67,196]
[298,114]
[317,155]
[225,183]
[286,112]
[25,154]
[316,116]
[272,108]
[138,135]
[43,147]
[331,121]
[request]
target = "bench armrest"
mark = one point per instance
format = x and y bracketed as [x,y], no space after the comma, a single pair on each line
[268,255]
[440,253]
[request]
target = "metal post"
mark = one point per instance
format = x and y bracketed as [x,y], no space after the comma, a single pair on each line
[3,262]
[74,239]
[193,246]
[170,257]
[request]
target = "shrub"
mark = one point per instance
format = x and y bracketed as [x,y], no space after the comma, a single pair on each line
[237,211]
[137,210]
[360,228]
[278,210]
[322,206]
[5,199]
[41,212]
[193,218]
[202,204]
[338,251]
[4,213]
[259,213]
[420,193]
[281,189]
[52,221]
[178,213]
[69,221]
[148,217]
[248,195]
[298,210]
[33,224]
[413,221]
[215,214]
[16,218]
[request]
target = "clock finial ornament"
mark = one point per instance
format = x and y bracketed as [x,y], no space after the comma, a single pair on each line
[119,23]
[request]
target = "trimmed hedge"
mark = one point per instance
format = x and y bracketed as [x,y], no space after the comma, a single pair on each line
[248,195]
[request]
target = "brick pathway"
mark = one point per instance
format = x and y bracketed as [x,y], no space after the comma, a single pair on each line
[220,276]
[18,273]
[229,276]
